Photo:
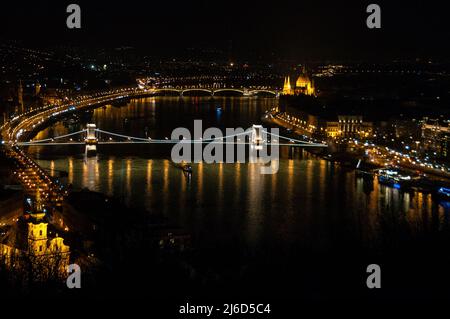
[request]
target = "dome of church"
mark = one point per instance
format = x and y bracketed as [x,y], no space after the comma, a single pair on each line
[302,81]
[304,85]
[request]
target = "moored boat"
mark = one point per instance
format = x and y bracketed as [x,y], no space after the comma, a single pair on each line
[443,194]
[394,178]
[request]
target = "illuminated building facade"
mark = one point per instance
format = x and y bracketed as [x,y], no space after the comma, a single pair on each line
[287,89]
[34,246]
[39,244]
[350,126]
[37,89]
[436,138]
[304,85]
[310,124]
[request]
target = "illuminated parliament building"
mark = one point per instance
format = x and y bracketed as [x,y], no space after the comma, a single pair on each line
[304,85]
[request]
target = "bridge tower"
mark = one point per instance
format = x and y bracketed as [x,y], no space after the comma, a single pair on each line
[91,140]
[256,137]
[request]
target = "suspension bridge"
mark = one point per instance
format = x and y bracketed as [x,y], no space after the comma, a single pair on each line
[91,136]
[33,178]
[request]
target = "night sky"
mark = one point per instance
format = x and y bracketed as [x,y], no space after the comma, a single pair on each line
[313,29]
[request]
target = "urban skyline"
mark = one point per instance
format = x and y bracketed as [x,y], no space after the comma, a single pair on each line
[255,156]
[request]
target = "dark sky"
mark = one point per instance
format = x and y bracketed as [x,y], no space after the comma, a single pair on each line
[290,29]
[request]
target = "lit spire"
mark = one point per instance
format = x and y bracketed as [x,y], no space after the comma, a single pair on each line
[287,90]
[38,200]
[38,212]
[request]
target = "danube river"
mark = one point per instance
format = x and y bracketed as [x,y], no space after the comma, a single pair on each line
[239,218]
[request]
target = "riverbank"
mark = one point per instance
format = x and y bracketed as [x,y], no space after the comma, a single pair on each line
[343,152]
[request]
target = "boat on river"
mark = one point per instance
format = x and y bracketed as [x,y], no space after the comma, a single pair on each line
[443,194]
[394,178]
[185,167]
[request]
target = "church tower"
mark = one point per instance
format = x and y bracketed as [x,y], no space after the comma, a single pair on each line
[37,228]
[50,254]
[37,89]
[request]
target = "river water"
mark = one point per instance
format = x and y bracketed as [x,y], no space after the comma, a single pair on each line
[311,207]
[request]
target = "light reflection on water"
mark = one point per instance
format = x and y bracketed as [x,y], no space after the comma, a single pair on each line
[308,202]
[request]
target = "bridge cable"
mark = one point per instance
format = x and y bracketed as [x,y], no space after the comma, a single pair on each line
[288,138]
[173,141]
[54,138]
